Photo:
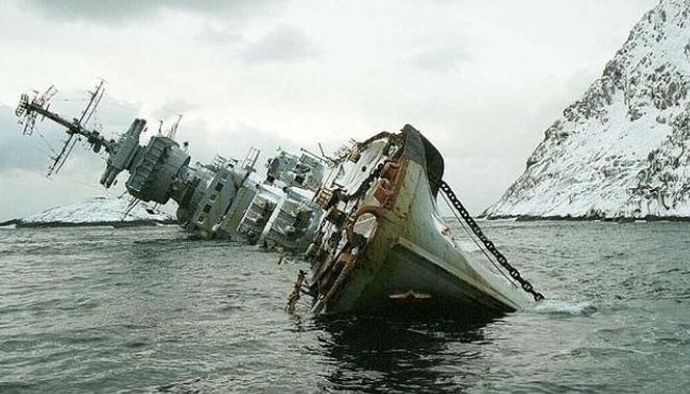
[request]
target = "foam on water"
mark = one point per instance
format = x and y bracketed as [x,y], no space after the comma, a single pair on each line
[557,307]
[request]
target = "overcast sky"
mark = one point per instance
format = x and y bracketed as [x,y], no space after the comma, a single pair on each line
[481,79]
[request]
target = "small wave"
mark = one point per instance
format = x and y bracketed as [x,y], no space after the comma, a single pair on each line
[186,386]
[467,245]
[555,307]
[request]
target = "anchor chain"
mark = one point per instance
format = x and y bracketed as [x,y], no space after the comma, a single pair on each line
[526,286]
[294,297]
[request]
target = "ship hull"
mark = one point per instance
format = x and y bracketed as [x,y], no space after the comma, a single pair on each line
[411,261]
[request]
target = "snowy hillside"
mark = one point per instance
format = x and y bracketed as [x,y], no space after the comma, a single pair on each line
[621,150]
[98,210]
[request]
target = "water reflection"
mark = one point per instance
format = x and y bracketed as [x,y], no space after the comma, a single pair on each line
[401,355]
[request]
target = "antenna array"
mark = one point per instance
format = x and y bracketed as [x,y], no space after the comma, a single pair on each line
[27,118]
[95,97]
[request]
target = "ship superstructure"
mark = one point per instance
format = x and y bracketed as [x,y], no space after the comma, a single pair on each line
[222,199]
[283,214]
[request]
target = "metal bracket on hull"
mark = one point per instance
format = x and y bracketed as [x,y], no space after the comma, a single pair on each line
[410,295]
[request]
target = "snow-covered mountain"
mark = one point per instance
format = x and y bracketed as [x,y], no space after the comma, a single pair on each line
[99,210]
[621,150]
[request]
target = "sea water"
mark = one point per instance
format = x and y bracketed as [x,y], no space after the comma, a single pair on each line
[149,309]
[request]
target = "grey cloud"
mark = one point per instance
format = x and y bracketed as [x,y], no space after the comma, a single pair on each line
[112,114]
[441,58]
[172,108]
[13,146]
[282,44]
[233,142]
[219,34]
[122,11]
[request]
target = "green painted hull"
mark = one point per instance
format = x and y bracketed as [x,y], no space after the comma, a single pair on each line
[409,254]
[411,261]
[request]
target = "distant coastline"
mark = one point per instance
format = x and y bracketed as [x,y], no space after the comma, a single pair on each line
[129,223]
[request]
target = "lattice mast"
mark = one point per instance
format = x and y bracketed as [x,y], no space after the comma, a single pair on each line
[29,110]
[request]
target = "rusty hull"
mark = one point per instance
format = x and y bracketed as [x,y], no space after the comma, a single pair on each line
[392,241]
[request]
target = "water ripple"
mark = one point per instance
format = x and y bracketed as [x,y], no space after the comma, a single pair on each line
[151,310]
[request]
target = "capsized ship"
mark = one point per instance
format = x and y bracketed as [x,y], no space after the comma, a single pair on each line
[367,220]
[383,246]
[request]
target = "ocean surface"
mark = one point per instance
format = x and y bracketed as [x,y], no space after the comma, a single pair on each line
[150,310]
